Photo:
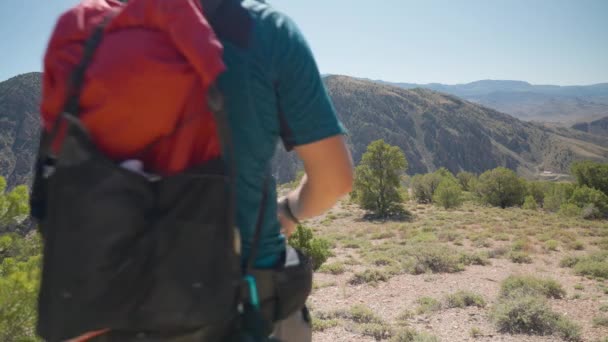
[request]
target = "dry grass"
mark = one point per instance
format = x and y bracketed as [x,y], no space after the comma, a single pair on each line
[424,277]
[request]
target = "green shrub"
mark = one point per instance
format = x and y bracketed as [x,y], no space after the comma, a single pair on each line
[568,330]
[410,335]
[323,324]
[592,267]
[427,305]
[448,194]
[557,194]
[530,203]
[466,180]
[18,298]
[480,259]
[601,321]
[317,249]
[475,332]
[335,268]
[591,174]
[537,190]
[424,237]
[519,257]
[524,313]
[368,276]
[362,314]
[584,196]
[514,285]
[570,210]
[497,252]
[463,299]
[501,187]
[404,316]
[20,262]
[576,245]
[551,245]
[426,258]
[569,261]
[379,331]
[424,186]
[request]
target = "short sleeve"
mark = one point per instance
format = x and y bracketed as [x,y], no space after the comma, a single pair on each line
[306,112]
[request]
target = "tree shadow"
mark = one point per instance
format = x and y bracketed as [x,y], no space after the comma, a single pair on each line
[403,215]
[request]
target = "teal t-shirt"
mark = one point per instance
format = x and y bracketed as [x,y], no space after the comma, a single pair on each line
[273,91]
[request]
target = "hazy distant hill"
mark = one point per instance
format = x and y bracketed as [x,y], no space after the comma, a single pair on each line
[525,101]
[598,127]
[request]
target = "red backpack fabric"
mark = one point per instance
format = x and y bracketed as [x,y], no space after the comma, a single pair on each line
[144,92]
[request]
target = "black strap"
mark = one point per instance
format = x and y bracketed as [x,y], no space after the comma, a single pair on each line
[210,7]
[72,103]
[257,235]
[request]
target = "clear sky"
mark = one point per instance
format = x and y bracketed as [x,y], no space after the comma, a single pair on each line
[422,41]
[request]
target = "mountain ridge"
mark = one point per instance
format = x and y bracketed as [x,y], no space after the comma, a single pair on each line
[434,130]
[551,103]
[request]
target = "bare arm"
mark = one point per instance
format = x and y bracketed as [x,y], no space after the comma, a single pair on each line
[329,176]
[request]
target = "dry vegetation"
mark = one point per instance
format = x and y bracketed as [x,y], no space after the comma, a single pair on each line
[472,274]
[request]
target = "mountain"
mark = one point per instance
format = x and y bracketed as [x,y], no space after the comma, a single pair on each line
[433,129]
[598,127]
[566,104]
[436,129]
[19,127]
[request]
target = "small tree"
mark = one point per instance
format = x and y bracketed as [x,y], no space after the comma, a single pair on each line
[424,186]
[557,194]
[591,174]
[466,180]
[317,249]
[14,205]
[501,188]
[530,203]
[536,189]
[377,178]
[448,194]
[584,197]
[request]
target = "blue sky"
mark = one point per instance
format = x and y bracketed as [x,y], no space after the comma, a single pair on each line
[448,41]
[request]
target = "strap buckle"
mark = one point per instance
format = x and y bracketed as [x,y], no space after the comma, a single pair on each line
[253,291]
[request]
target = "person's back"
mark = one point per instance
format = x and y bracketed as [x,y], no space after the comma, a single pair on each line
[274,93]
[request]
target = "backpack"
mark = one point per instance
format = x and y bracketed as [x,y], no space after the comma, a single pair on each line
[150,255]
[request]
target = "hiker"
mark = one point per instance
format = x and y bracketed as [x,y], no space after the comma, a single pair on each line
[142,247]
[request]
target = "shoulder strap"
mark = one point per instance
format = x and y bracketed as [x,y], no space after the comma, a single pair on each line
[255,244]
[72,103]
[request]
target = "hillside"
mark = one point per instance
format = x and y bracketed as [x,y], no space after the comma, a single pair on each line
[598,127]
[433,129]
[566,104]
[437,130]
[19,127]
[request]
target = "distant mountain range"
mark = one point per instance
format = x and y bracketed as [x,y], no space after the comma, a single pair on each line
[433,129]
[548,103]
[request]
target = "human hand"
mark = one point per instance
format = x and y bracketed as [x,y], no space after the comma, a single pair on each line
[288,226]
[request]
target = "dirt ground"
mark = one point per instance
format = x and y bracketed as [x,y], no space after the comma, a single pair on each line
[473,229]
